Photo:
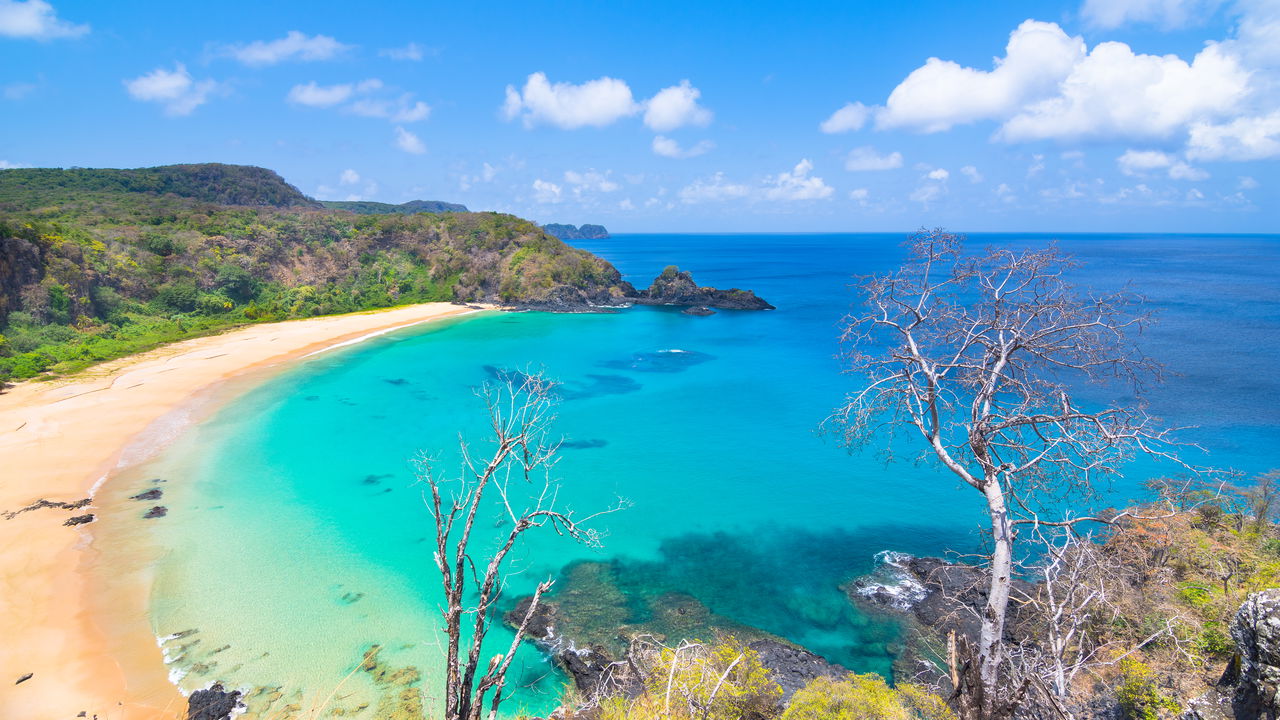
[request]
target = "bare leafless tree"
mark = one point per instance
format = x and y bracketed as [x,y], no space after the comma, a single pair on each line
[515,479]
[979,356]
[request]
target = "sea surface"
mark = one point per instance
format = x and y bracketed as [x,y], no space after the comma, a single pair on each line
[297,538]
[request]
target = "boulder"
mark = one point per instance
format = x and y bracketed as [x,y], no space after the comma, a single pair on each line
[213,703]
[1256,631]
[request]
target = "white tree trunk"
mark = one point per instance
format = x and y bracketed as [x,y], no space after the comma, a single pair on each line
[991,640]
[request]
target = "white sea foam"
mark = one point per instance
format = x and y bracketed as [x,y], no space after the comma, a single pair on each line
[892,582]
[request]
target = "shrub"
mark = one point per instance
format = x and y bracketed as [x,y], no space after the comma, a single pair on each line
[864,697]
[1139,697]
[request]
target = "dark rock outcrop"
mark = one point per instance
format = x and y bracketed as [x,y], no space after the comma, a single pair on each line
[700,311]
[79,520]
[674,287]
[1256,631]
[152,494]
[158,511]
[793,667]
[214,703]
[570,232]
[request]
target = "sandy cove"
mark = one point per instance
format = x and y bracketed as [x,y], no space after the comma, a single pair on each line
[58,440]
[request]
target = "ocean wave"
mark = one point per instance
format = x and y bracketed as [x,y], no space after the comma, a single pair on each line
[892,583]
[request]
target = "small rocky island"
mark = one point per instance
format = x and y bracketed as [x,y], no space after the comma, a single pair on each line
[571,232]
[675,287]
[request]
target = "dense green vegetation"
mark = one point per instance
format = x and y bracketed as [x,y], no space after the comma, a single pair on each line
[96,264]
[368,207]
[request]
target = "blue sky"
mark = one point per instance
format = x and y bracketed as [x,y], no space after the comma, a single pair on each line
[1120,115]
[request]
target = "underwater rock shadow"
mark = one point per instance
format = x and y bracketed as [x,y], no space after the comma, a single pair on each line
[777,581]
[595,385]
[673,360]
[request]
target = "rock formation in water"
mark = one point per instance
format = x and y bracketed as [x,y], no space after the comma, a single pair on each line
[674,287]
[214,703]
[570,232]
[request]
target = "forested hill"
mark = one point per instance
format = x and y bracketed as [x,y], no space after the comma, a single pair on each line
[366,207]
[96,264]
[210,182]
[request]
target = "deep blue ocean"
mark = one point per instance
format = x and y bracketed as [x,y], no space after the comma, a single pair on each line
[302,539]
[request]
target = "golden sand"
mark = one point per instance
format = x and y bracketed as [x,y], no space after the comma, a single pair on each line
[85,652]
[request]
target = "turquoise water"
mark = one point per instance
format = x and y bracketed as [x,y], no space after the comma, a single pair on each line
[297,538]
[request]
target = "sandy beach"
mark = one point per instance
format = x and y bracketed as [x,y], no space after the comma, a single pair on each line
[58,441]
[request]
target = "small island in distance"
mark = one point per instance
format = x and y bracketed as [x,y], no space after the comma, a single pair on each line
[581,232]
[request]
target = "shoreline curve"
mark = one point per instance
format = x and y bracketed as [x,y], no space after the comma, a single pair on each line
[60,441]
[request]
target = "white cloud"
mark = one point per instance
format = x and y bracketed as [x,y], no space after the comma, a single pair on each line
[939,174]
[409,142]
[1036,166]
[1247,183]
[546,192]
[797,185]
[313,95]
[972,173]
[942,93]
[1005,193]
[927,193]
[488,172]
[866,158]
[412,52]
[714,190]
[6,165]
[668,147]
[401,110]
[175,89]
[35,19]
[850,117]
[860,195]
[1137,162]
[675,107]
[1183,171]
[293,46]
[1166,13]
[349,177]
[1114,93]
[626,204]
[1246,138]
[589,182]
[594,103]
[1194,195]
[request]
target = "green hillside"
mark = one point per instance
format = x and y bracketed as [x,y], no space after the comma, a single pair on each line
[96,264]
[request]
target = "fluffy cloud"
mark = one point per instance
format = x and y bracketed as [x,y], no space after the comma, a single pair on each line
[594,103]
[6,165]
[1051,86]
[35,19]
[676,107]
[850,117]
[409,142]
[313,95]
[1136,162]
[349,177]
[589,182]
[546,192]
[860,196]
[1246,138]
[293,46]
[402,109]
[797,185]
[939,174]
[601,102]
[1144,162]
[175,89]
[714,190]
[667,147]
[972,173]
[866,158]
[1166,13]
[1117,93]
[942,93]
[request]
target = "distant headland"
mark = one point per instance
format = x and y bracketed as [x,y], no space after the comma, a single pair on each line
[580,232]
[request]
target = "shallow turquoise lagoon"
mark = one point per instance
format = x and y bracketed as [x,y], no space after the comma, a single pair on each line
[297,538]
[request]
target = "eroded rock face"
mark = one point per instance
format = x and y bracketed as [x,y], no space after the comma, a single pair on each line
[1256,631]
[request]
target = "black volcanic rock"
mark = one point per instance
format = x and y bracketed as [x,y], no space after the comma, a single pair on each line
[793,667]
[158,511]
[674,287]
[152,494]
[699,311]
[214,703]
